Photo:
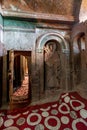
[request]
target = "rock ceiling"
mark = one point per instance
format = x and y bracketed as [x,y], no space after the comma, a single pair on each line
[83,11]
[60,7]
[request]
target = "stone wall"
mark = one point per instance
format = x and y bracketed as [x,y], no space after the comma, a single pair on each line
[19,35]
[79,36]
[46,75]
[24,35]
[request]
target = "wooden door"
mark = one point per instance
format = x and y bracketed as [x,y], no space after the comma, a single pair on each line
[11,73]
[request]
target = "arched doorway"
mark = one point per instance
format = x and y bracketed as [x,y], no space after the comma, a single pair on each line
[80,64]
[50,67]
[79,37]
[79,47]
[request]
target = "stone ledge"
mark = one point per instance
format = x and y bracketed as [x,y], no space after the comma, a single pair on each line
[39,16]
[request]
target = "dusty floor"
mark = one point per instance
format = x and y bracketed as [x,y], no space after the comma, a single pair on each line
[47,99]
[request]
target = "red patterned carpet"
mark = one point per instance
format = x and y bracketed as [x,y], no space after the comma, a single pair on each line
[69,113]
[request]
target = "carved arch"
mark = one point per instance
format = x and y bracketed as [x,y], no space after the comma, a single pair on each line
[51,36]
[40,43]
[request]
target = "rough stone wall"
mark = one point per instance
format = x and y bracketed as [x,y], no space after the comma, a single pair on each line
[28,36]
[79,37]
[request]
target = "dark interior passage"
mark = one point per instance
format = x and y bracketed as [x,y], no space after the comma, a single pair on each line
[21,84]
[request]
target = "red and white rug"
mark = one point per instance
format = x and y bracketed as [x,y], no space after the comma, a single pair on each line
[68,113]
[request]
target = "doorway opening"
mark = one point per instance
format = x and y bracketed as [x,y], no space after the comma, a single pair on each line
[19,81]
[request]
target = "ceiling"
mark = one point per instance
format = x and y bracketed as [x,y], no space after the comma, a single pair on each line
[60,7]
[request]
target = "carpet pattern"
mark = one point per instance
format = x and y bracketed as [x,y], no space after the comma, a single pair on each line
[68,113]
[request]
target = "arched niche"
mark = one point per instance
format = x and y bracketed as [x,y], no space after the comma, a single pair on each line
[80,63]
[49,36]
[62,49]
[79,49]
[52,65]
[79,42]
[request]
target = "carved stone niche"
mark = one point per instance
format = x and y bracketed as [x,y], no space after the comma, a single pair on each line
[80,58]
[51,65]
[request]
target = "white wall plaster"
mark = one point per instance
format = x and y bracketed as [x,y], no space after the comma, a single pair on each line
[19,40]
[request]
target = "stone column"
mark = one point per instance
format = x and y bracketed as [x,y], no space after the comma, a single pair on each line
[4,76]
[70,63]
[71,66]
[66,69]
[40,67]
[4,89]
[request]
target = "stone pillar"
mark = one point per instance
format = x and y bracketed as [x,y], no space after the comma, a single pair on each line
[4,76]
[71,66]
[66,69]
[4,89]
[70,62]
[37,75]
[40,67]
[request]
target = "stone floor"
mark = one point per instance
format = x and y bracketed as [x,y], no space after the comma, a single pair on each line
[82,89]
[5,106]
[51,98]
[40,101]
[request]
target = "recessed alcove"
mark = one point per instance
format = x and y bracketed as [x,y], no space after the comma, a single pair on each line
[51,75]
